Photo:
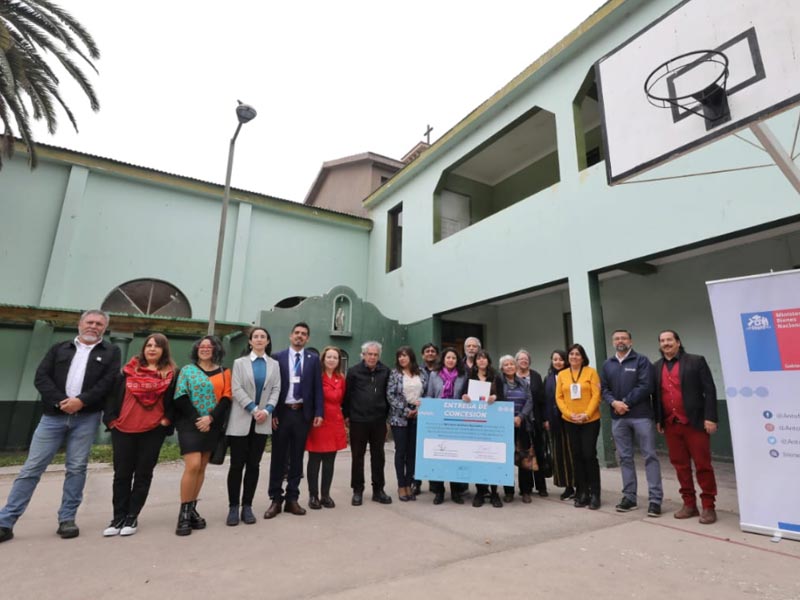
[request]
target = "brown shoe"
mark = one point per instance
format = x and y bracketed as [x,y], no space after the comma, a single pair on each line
[686,512]
[708,516]
[292,507]
[273,510]
[526,498]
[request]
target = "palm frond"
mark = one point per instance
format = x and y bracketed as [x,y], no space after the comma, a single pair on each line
[29,31]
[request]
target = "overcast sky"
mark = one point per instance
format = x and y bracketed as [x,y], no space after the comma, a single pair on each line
[328,79]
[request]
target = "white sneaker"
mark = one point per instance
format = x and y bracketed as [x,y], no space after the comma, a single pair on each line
[129,526]
[113,528]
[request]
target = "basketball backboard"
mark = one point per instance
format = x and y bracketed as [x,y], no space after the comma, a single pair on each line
[749,48]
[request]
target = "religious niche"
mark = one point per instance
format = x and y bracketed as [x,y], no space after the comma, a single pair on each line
[341,316]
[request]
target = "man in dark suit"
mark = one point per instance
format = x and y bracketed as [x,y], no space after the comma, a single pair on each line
[73,380]
[687,415]
[299,407]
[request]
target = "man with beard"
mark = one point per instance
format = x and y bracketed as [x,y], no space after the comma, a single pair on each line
[627,386]
[73,379]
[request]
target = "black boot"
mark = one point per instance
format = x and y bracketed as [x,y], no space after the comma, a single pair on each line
[184,520]
[196,520]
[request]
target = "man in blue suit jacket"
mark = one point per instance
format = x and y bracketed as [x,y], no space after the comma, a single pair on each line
[299,407]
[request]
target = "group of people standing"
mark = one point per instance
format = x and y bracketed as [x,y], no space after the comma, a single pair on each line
[306,402]
[675,396]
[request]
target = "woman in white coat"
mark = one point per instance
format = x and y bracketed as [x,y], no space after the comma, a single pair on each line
[255,384]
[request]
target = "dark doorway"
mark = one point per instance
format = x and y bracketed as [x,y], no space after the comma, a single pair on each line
[454,333]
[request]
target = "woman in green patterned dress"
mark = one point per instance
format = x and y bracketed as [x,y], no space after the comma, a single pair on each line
[202,399]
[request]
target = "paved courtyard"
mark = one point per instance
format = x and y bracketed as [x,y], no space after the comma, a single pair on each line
[403,550]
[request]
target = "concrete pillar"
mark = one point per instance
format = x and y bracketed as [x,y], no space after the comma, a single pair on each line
[241,242]
[24,416]
[68,223]
[589,331]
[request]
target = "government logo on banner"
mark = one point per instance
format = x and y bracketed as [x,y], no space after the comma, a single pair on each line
[772,339]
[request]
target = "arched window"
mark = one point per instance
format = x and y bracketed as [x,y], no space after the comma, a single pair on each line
[148,297]
[290,302]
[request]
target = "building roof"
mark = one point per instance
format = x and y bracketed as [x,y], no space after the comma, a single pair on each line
[327,166]
[128,170]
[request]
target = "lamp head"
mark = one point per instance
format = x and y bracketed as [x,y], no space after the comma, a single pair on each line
[245,112]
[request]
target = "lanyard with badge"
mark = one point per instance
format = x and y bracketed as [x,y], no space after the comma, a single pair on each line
[575,388]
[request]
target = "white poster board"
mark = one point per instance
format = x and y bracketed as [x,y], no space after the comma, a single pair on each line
[757,321]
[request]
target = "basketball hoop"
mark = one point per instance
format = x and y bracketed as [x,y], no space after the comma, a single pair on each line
[695,82]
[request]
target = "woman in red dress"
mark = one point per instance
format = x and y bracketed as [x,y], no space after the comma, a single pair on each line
[324,441]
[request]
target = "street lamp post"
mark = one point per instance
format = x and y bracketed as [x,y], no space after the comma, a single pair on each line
[244,113]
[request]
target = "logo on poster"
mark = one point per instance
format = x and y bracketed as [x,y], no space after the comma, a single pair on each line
[772,339]
[758,323]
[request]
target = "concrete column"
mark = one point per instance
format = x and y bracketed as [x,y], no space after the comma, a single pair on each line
[565,137]
[68,222]
[26,410]
[589,331]
[241,242]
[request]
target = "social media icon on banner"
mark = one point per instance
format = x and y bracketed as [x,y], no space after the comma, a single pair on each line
[769,427]
[774,453]
[767,414]
[772,440]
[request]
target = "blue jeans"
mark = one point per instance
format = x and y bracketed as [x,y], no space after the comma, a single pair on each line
[643,430]
[76,432]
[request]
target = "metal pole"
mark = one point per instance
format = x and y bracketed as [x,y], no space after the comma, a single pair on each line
[221,241]
[779,155]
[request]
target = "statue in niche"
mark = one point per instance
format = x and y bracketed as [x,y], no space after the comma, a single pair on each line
[338,319]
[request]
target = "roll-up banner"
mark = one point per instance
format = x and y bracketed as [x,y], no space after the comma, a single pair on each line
[757,320]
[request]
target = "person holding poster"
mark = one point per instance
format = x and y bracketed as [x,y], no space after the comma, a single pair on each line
[403,392]
[513,388]
[578,399]
[448,382]
[483,371]
[687,403]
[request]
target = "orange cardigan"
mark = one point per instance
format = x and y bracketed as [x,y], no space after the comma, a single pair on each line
[589,401]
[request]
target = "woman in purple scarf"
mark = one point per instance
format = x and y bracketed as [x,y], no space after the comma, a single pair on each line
[448,382]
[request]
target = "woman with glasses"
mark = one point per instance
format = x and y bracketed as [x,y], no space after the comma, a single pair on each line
[202,399]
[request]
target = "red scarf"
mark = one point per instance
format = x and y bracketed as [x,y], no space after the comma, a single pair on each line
[145,386]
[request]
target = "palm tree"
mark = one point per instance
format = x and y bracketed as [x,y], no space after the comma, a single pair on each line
[30,29]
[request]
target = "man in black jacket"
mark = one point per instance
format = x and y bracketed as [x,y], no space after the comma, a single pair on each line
[73,380]
[365,409]
[687,415]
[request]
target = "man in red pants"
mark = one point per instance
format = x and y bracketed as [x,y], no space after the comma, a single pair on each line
[687,399]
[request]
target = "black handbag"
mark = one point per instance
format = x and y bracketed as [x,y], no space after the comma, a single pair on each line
[221,447]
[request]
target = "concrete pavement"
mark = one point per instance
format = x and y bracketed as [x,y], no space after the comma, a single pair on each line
[403,550]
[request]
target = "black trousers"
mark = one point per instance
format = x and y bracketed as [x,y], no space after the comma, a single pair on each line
[135,457]
[405,452]
[327,461]
[246,453]
[583,441]
[288,444]
[361,434]
[522,439]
